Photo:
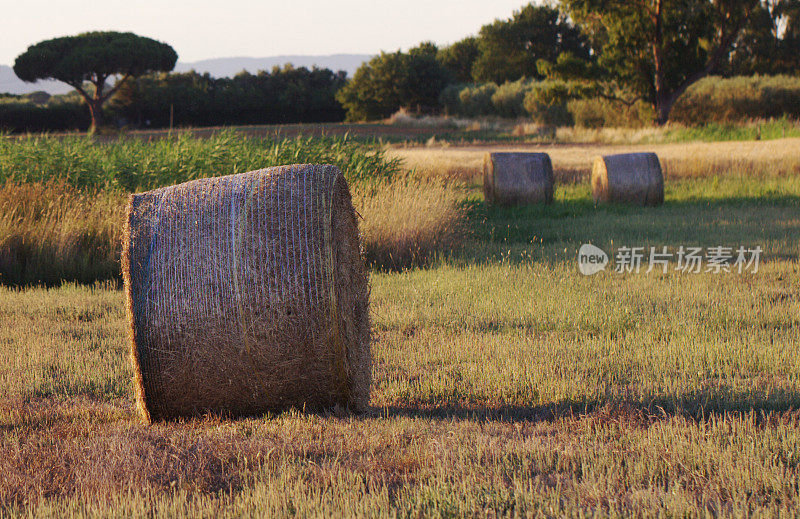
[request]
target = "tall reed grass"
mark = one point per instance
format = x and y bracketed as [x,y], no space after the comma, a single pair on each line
[136,165]
[62,199]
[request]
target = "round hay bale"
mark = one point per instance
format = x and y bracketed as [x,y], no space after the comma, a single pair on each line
[247,294]
[630,178]
[518,178]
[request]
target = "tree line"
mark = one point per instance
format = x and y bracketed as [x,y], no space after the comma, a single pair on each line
[158,100]
[144,93]
[283,95]
[627,53]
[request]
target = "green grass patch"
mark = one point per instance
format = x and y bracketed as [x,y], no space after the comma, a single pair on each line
[505,382]
[137,165]
[717,132]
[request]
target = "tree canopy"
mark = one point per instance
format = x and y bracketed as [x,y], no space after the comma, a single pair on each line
[395,80]
[459,58]
[770,44]
[505,50]
[94,57]
[654,50]
[509,49]
[284,95]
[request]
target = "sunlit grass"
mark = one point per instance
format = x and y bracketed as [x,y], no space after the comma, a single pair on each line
[505,382]
[572,163]
[136,164]
[410,221]
[62,200]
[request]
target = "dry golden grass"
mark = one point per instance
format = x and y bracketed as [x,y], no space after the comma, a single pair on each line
[503,390]
[51,231]
[615,461]
[505,383]
[573,162]
[408,221]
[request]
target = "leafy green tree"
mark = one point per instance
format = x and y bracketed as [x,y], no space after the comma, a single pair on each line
[94,57]
[770,44]
[787,16]
[390,81]
[654,50]
[284,95]
[459,58]
[509,49]
[375,91]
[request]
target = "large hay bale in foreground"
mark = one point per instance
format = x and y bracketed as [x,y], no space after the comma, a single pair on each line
[518,178]
[631,178]
[247,294]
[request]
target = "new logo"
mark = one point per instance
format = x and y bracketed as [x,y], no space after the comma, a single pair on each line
[591,260]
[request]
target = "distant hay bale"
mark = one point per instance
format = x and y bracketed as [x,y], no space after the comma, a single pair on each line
[247,294]
[632,178]
[518,178]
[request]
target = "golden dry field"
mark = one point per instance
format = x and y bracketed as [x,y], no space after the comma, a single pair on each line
[572,162]
[505,382]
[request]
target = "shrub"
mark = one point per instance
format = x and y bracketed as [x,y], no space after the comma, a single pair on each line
[450,98]
[488,99]
[476,100]
[600,113]
[739,99]
[587,113]
[543,112]
[509,98]
[26,116]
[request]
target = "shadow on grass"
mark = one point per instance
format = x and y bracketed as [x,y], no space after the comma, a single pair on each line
[480,212]
[765,406]
[696,406]
[567,224]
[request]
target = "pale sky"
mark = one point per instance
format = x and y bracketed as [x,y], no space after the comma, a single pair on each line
[203,29]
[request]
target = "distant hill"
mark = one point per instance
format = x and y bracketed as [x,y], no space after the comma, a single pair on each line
[219,67]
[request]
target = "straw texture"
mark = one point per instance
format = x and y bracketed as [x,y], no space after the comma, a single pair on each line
[631,178]
[518,178]
[247,294]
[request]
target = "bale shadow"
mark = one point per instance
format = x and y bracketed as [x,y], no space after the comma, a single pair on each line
[480,212]
[697,406]
[567,224]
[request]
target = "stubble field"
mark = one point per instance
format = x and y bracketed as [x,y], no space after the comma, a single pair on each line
[505,382]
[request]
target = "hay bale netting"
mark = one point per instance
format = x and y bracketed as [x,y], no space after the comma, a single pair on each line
[247,294]
[518,178]
[631,178]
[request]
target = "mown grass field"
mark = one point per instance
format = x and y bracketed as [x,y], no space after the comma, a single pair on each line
[505,382]
[405,130]
[572,162]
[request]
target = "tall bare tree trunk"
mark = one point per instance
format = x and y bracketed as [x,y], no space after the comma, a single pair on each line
[96,111]
[663,104]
